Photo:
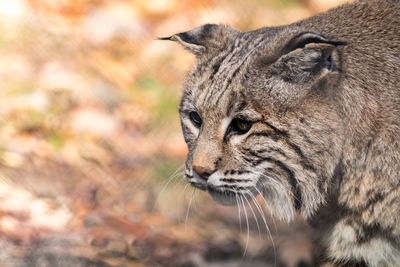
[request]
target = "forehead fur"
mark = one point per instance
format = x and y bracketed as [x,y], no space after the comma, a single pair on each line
[236,71]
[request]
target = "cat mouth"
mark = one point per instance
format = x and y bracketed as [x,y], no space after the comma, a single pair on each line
[227,195]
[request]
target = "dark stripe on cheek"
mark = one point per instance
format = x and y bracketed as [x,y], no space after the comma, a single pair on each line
[232,180]
[296,149]
[297,198]
[272,149]
[304,160]
[279,151]
[234,187]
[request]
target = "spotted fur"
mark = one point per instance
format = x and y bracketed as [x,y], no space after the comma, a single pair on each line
[308,115]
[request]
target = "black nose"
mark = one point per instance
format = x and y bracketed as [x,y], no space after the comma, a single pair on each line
[203,172]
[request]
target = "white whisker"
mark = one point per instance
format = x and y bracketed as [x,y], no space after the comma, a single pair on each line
[266,206]
[265,221]
[270,178]
[184,191]
[179,171]
[255,217]
[248,228]
[239,218]
[188,208]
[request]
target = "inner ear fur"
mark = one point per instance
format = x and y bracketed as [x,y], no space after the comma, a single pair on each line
[308,53]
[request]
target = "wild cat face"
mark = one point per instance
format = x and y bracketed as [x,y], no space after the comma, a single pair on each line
[259,115]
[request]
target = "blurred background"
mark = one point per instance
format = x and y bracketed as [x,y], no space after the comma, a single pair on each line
[91,150]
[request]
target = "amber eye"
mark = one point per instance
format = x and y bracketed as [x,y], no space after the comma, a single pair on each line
[195,118]
[240,126]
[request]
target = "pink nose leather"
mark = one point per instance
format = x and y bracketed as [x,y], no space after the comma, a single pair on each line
[203,172]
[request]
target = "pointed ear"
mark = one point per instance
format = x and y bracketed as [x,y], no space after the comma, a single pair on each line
[307,55]
[308,39]
[204,39]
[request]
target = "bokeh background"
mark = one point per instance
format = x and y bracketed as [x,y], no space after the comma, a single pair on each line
[91,151]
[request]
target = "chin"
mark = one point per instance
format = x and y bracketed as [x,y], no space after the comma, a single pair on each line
[225,198]
[229,198]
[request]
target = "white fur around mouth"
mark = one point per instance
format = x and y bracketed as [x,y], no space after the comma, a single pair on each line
[197,181]
[222,193]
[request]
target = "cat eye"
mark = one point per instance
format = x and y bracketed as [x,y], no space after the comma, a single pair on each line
[240,126]
[195,118]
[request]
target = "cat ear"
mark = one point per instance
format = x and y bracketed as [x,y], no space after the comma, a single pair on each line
[307,54]
[309,39]
[204,39]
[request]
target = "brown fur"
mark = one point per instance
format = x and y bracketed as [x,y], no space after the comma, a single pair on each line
[308,115]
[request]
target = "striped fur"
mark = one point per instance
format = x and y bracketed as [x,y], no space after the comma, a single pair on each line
[322,99]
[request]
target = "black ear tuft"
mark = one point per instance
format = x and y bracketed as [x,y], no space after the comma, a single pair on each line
[206,38]
[165,38]
[185,37]
[188,40]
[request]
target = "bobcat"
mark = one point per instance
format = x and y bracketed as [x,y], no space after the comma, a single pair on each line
[308,115]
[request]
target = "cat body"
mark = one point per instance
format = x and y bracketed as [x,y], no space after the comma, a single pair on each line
[308,116]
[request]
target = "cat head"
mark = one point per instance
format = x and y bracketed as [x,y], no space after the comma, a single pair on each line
[259,115]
